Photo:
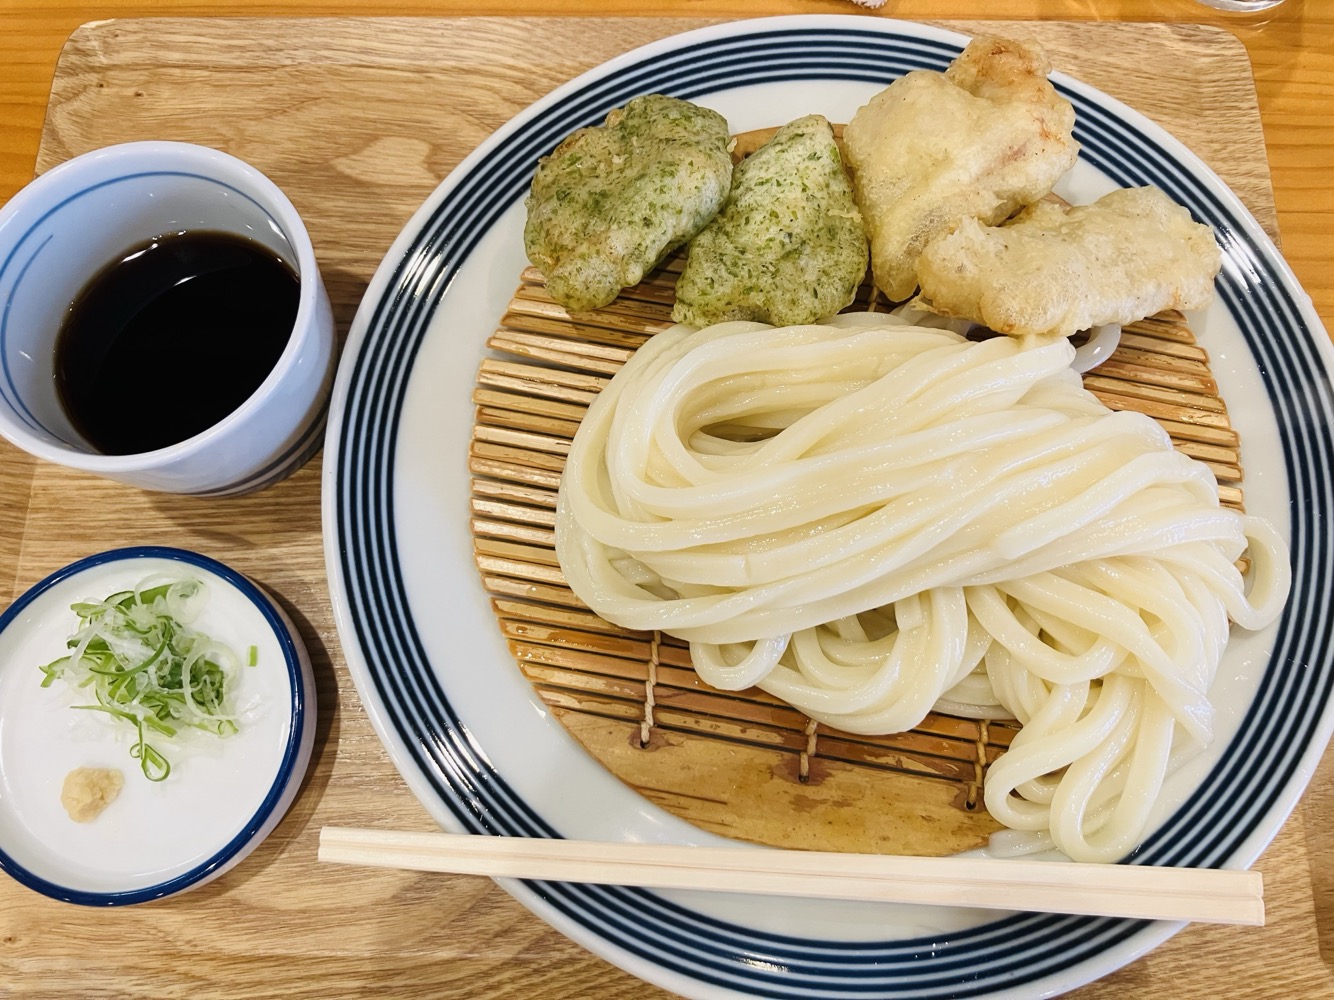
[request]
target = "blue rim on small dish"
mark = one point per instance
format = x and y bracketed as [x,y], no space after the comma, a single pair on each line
[297,717]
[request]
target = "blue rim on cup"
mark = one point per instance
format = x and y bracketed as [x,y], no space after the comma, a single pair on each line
[208,830]
[61,229]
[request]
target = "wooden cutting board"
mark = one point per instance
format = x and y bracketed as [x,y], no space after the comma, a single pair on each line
[358,120]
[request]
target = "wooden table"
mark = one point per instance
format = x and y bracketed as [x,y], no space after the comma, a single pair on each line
[278,925]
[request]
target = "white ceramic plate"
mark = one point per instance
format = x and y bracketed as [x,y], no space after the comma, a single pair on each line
[479,748]
[222,797]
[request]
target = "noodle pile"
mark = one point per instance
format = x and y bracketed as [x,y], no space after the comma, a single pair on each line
[869,519]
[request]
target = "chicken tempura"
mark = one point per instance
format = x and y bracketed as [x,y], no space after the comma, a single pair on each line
[979,141]
[1130,254]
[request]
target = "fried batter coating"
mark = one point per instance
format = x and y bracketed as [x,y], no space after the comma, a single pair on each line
[1130,254]
[979,141]
[788,247]
[611,201]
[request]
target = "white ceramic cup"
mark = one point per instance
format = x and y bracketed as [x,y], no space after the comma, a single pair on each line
[72,221]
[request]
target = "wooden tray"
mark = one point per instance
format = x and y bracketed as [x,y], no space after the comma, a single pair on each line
[358,120]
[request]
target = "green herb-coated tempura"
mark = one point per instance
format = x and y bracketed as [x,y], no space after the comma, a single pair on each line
[142,662]
[612,200]
[788,246]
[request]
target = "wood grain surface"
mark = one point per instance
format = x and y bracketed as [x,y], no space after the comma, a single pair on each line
[358,121]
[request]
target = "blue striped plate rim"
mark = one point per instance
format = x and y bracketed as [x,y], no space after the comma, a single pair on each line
[1262,771]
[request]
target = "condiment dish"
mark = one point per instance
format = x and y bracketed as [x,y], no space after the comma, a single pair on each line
[223,795]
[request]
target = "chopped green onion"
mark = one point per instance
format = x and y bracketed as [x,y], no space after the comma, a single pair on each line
[253,658]
[148,668]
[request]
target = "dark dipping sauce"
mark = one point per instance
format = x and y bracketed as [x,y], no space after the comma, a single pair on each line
[171,337]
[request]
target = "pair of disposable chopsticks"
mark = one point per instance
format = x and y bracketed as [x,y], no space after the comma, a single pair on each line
[1199,894]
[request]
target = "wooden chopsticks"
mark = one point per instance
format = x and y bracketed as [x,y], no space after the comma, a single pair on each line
[1196,894]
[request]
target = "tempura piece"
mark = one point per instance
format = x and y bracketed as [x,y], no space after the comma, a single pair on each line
[985,138]
[613,200]
[1130,254]
[87,791]
[788,247]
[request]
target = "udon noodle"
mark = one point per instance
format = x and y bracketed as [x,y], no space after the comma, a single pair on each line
[869,520]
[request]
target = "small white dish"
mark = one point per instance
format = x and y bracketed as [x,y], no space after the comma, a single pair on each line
[223,796]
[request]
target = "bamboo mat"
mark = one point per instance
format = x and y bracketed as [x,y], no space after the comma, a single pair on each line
[743,764]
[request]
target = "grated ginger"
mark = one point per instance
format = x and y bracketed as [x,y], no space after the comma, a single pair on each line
[89,790]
